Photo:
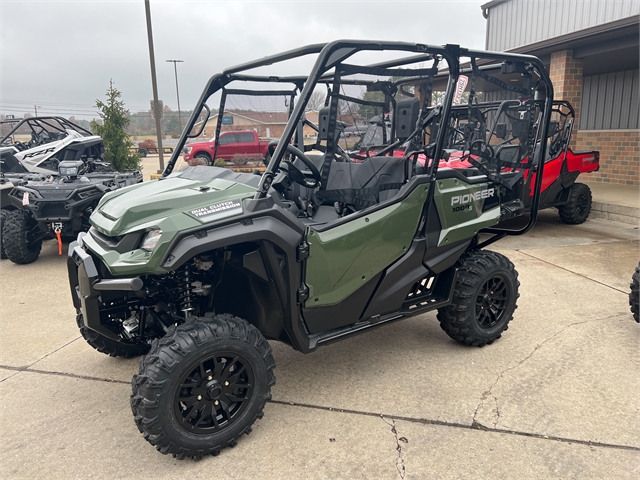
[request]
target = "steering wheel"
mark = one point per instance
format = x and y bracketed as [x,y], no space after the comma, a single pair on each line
[311,180]
[482,149]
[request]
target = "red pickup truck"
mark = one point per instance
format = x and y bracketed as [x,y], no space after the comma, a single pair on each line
[230,144]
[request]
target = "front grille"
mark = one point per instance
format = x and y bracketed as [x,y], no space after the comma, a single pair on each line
[52,192]
[53,210]
[105,240]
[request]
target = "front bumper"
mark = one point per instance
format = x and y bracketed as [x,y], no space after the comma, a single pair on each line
[87,284]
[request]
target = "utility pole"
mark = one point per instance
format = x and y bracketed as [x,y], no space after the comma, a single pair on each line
[35,108]
[175,68]
[156,104]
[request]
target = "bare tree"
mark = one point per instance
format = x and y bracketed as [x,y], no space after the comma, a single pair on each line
[316,101]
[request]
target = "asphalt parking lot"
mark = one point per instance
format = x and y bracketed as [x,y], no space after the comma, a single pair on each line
[556,397]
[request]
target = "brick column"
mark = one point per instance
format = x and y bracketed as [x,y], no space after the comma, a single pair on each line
[566,74]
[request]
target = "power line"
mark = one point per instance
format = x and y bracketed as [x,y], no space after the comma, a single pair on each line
[31,102]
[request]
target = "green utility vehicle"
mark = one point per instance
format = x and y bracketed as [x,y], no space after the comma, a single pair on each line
[199,269]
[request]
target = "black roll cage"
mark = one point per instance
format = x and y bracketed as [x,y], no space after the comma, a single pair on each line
[41,122]
[332,55]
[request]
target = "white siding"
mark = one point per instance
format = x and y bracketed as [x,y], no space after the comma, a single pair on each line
[610,101]
[515,23]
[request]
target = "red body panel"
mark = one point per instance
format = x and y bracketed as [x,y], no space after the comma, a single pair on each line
[226,151]
[583,162]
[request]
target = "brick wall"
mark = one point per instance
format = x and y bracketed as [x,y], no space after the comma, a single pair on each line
[565,73]
[619,154]
[619,149]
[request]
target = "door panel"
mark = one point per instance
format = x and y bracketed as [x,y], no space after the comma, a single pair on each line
[344,258]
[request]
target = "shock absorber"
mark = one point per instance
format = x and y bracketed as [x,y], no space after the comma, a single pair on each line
[185,290]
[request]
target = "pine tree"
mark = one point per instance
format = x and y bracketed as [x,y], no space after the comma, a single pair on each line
[115,120]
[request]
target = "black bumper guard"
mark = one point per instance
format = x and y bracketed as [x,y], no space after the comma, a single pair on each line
[86,285]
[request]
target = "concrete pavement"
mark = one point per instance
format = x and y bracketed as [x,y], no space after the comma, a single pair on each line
[556,397]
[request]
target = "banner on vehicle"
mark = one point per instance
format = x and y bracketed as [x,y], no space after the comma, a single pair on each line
[460,86]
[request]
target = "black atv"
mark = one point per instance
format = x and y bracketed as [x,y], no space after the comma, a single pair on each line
[198,269]
[12,171]
[37,207]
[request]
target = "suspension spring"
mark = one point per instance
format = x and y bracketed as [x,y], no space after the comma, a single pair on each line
[185,289]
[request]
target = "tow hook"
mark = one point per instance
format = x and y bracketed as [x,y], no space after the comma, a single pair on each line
[57,228]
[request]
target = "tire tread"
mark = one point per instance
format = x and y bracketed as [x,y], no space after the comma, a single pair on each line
[455,319]
[165,355]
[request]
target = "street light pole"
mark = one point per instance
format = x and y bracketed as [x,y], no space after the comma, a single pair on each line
[154,84]
[175,68]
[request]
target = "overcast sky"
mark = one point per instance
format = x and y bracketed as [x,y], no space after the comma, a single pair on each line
[60,55]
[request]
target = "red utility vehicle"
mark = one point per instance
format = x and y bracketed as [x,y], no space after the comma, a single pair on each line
[230,144]
[562,164]
[501,121]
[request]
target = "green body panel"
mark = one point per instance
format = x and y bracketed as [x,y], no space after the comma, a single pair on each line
[164,204]
[346,257]
[462,219]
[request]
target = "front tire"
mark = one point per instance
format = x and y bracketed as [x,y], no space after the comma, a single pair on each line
[3,214]
[578,205]
[485,296]
[202,386]
[21,237]
[108,346]
[635,294]
[205,158]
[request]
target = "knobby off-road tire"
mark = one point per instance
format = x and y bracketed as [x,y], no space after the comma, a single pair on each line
[633,296]
[484,299]
[3,214]
[578,206]
[202,386]
[21,237]
[106,345]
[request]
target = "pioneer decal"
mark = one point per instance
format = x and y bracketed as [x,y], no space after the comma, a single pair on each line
[472,197]
[217,210]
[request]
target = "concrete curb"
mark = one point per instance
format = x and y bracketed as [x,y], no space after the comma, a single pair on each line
[616,213]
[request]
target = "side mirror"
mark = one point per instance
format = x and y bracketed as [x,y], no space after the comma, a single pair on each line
[197,129]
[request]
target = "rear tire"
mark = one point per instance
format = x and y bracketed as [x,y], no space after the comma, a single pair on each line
[633,296]
[202,386]
[485,296]
[21,237]
[106,345]
[578,206]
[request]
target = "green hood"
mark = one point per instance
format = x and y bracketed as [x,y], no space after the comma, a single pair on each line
[183,196]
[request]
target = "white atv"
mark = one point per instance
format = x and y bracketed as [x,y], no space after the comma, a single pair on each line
[40,143]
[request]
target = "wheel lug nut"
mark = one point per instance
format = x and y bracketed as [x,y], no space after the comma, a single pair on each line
[199,397]
[226,384]
[209,377]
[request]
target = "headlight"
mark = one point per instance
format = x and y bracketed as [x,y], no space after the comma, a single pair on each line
[187,150]
[69,171]
[150,240]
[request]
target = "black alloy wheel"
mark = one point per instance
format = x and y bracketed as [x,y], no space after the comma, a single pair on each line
[214,393]
[583,203]
[492,301]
